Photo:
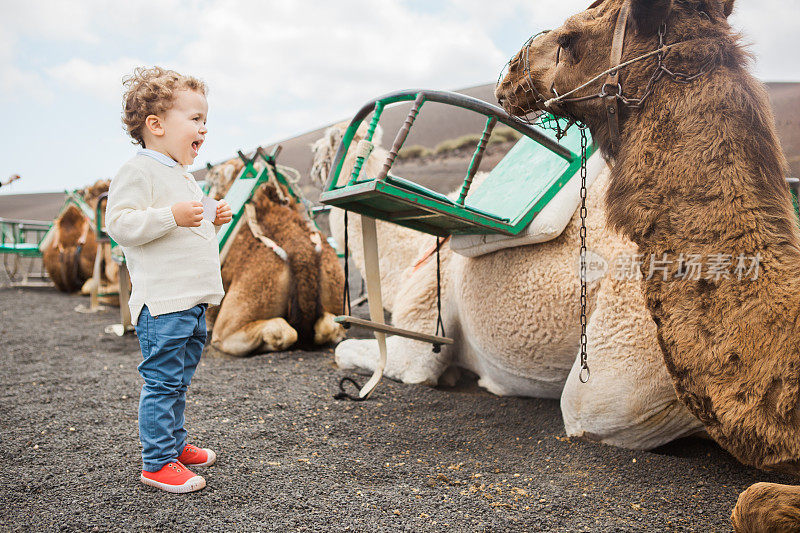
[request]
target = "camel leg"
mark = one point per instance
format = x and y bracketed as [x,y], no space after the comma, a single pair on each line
[270,335]
[277,334]
[407,360]
[331,281]
[331,286]
[767,507]
[112,270]
[90,287]
[211,316]
[239,328]
[327,331]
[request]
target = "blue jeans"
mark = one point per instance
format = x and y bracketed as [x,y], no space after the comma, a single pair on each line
[171,346]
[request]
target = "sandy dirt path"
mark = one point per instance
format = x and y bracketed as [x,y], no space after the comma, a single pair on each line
[292,458]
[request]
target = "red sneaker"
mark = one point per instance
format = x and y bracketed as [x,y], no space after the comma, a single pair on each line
[174,477]
[192,455]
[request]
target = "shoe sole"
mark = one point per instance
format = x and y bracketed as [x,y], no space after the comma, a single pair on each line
[191,485]
[212,458]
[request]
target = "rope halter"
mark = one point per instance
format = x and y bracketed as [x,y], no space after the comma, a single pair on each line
[611,90]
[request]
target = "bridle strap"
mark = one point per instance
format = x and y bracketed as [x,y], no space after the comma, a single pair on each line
[612,80]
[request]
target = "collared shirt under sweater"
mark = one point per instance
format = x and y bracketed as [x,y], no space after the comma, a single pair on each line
[172,268]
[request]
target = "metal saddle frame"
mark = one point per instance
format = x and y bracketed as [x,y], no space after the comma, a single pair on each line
[21,239]
[505,203]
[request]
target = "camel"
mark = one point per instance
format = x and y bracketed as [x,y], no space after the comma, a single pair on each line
[514,316]
[221,177]
[69,255]
[698,173]
[283,283]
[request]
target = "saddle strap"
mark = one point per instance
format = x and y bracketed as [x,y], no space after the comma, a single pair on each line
[258,233]
[429,253]
[369,234]
[612,105]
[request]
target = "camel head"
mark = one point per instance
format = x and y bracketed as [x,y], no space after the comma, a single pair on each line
[70,253]
[72,228]
[555,62]
[222,176]
[91,193]
[324,150]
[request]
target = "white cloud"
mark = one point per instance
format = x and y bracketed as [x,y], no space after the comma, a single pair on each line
[339,45]
[101,80]
[19,86]
[291,66]
[771,28]
[56,21]
[540,14]
[277,68]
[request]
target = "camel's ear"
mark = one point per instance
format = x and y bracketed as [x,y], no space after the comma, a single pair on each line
[648,15]
[727,7]
[716,9]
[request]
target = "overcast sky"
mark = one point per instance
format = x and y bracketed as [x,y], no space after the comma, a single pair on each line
[274,68]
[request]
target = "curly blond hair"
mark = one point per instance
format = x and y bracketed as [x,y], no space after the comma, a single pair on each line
[151,91]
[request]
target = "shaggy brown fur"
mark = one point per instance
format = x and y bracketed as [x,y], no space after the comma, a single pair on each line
[67,265]
[699,171]
[767,507]
[260,286]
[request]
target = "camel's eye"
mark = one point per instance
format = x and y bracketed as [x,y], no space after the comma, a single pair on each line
[567,47]
[565,40]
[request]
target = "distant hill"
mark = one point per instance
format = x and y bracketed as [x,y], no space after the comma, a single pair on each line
[435,124]
[785,100]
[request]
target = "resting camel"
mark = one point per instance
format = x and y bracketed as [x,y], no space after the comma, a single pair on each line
[221,177]
[514,318]
[69,255]
[283,282]
[698,171]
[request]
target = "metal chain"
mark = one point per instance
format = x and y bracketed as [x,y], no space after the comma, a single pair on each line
[677,77]
[584,373]
[439,324]
[346,308]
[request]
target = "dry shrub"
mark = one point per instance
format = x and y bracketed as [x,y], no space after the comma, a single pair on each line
[459,142]
[504,134]
[412,152]
[499,135]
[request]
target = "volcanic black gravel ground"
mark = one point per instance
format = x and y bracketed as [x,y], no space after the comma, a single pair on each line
[291,457]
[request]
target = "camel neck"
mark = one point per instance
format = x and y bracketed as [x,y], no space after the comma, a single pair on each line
[700,168]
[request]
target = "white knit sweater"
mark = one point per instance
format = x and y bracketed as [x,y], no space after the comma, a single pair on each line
[172,268]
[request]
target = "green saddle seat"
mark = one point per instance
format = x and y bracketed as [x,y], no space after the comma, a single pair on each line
[504,203]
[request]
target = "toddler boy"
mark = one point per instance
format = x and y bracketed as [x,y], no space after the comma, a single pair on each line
[155,213]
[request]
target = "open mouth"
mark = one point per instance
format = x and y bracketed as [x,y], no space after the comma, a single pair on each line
[196,146]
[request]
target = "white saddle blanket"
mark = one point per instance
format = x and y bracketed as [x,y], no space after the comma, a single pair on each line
[545,226]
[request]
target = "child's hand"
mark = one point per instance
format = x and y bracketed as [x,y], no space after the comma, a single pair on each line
[188,214]
[224,213]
